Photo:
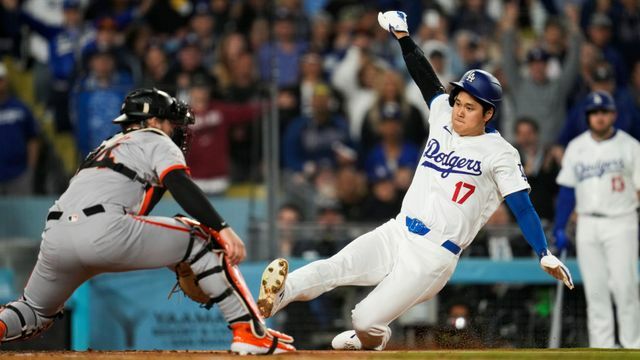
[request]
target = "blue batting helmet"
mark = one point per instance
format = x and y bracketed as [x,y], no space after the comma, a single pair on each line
[600,100]
[483,86]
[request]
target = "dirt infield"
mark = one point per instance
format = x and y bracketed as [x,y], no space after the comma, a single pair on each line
[435,354]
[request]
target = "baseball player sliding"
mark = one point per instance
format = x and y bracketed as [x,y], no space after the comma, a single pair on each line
[600,177]
[100,224]
[465,172]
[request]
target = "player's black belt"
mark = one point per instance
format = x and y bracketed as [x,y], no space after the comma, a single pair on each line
[598,215]
[418,227]
[91,210]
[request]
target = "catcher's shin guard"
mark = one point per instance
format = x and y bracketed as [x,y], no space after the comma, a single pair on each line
[250,334]
[20,321]
[206,276]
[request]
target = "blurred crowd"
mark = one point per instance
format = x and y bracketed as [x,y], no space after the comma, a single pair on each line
[351,121]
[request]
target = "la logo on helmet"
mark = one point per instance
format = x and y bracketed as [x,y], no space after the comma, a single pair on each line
[471,76]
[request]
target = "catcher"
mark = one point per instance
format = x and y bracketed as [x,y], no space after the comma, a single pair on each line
[100,224]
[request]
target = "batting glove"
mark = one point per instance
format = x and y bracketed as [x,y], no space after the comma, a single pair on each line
[393,21]
[554,267]
[562,241]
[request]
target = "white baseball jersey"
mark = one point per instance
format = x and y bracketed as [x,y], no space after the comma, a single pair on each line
[461,180]
[605,174]
[148,152]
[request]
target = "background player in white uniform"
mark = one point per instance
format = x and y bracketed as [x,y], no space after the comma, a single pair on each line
[600,176]
[464,174]
[100,225]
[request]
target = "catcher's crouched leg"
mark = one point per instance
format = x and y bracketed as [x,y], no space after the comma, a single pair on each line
[20,321]
[206,277]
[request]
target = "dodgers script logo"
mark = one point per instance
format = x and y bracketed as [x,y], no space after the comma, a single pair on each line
[447,163]
[585,171]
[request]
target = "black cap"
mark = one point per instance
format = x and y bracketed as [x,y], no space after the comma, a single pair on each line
[602,72]
[201,8]
[284,14]
[600,20]
[537,54]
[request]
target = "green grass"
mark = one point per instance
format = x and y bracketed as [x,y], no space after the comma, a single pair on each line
[562,354]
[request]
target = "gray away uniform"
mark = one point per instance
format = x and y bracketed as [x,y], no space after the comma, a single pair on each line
[98,225]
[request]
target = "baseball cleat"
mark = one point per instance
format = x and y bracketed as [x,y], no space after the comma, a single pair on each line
[245,342]
[272,287]
[346,340]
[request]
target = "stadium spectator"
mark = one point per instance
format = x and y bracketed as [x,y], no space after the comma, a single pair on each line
[554,43]
[392,151]
[321,34]
[635,84]
[210,137]
[95,101]
[189,69]
[245,140]
[537,96]
[628,114]
[355,77]
[391,102]
[286,48]
[232,46]
[472,16]
[310,76]
[110,38]
[351,189]
[156,67]
[65,43]
[600,34]
[384,199]
[201,24]
[538,164]
[19,144]
[469,52]
[311,141]
[289,219]
[628,31]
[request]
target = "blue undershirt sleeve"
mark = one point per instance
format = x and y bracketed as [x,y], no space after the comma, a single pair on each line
[528,220]
[565,203]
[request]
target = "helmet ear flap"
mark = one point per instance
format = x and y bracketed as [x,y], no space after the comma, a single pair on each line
[453,94]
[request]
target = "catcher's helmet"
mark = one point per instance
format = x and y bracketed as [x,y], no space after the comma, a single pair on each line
[600,100]
[143,104]
[483,86]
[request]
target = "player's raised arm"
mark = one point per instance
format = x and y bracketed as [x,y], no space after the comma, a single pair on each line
[419,67]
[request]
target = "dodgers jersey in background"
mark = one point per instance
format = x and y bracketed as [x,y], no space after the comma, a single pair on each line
[605,174]
[460,180]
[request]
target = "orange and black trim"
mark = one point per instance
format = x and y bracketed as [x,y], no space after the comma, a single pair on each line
[171,168]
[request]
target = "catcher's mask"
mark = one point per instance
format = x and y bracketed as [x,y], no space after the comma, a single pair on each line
[142,104]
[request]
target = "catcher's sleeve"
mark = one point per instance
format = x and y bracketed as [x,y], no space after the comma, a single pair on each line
[421,70]
[192,199]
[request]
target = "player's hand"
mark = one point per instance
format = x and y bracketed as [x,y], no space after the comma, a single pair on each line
[393,21]
[554,267]
[234,247]
[562,241]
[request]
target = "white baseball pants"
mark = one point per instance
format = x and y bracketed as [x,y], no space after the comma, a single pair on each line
[607,251]
[407,269]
